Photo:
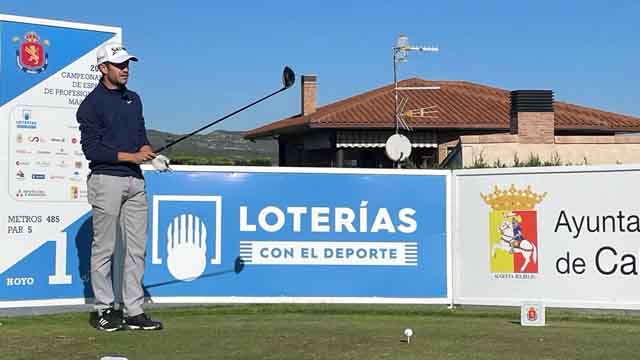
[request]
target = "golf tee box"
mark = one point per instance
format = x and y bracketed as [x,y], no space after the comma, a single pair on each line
[532,314]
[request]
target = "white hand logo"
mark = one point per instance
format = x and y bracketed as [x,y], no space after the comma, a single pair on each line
[186,247]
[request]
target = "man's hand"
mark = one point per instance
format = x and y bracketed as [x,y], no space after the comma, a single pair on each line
[147,152]
[146,148]
[144,154]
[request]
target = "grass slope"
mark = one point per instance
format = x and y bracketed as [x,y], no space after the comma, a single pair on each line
[229,145]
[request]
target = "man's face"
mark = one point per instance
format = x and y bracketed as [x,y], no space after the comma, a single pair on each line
[115,74]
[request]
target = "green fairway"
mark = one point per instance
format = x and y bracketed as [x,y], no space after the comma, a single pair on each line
[327,332]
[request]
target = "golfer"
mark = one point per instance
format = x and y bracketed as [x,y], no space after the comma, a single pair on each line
[113,138]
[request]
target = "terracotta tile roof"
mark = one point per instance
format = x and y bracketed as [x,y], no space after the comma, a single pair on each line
[459,105]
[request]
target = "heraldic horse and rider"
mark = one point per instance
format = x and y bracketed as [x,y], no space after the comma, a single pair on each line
[512,240]
[510,236]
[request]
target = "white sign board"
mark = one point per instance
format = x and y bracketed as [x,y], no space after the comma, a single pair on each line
[46,69]
[565,236]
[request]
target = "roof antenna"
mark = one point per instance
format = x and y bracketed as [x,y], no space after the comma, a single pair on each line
[401,112]
[398,146]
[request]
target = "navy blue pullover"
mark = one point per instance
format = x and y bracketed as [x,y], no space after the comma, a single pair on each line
[111,121]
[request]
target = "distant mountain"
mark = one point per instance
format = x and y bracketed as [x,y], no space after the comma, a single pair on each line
[219,143]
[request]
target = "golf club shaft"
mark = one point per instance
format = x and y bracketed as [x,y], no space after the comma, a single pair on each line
[217,121]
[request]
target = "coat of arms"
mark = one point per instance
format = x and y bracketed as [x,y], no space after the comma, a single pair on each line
[31,55]
[513,230]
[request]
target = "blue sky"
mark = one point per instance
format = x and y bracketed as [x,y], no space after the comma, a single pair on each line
[203,59]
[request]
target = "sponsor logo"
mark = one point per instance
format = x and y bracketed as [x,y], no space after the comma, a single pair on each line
[31,55]
[116,49]
[38,176]
[22,163]
[78,153]
[43,163]
[36,139]
[43,152]
[75,192]
[58,139]
[22,124]
[19,138]
[26,122]
[31,193]
[23,151]
[513,229]
[56,177]
[187,241]
[74,141]
[20,175]
[61,152]
[78,164]
[76,177]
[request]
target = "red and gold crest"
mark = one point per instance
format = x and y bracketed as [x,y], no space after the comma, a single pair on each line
[31,55]
[513,229]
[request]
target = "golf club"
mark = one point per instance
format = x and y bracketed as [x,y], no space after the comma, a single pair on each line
[288,79]
[238,266]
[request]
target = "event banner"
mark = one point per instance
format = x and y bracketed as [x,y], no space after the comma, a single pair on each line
[46,69]
[561,236]
[221,234]
[278,233]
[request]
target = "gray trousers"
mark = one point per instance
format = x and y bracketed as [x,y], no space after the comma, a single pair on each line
[118,203]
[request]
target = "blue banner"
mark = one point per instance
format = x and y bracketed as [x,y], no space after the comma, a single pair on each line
[271,234]
[297,234]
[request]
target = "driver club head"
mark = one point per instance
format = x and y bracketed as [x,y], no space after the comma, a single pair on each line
[288,77]
[238,265]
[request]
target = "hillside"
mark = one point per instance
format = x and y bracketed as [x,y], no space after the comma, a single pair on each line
[219,144]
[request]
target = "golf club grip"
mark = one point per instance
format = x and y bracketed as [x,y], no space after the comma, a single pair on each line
[218,120]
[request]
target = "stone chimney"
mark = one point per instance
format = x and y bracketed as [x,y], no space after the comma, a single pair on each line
[309,94]
[532,116]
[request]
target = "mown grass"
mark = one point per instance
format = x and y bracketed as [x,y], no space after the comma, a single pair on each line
[328,332]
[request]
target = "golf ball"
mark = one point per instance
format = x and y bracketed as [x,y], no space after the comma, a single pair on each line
[408,332]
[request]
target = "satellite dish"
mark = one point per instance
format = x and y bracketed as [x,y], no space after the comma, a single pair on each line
[398,147]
